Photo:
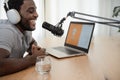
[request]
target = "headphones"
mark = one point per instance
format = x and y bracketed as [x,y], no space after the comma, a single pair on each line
[12,14]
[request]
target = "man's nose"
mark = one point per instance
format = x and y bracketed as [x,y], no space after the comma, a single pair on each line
[35,15]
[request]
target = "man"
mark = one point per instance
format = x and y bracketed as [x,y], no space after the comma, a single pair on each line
[15,39]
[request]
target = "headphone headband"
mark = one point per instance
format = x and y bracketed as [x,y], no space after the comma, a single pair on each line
[6,3]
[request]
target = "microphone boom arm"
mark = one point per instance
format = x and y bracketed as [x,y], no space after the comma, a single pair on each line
[113,22]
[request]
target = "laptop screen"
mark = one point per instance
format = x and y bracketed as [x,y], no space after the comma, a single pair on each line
[79,35]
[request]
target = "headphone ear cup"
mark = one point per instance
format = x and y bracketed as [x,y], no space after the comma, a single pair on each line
[13,16]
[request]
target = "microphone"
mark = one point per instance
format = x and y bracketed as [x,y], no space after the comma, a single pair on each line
[56,30]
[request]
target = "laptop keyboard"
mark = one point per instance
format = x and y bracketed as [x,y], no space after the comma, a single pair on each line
[66,50]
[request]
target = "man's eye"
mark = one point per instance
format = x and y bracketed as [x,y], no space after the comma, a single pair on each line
[31,11]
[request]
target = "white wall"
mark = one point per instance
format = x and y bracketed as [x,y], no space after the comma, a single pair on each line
[104,10]
[2,11]
[38,34]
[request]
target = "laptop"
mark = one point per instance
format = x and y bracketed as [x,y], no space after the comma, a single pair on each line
[77,41]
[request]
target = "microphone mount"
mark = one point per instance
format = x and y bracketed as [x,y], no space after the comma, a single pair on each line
[59,24]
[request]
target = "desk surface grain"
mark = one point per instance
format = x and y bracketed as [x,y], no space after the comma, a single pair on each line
[101,63]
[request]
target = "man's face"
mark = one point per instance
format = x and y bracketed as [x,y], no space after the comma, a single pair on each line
[28,15]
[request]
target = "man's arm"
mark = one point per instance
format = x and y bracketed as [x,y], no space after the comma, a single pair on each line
[12,65]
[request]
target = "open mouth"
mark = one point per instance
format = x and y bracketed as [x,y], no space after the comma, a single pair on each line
[32,24]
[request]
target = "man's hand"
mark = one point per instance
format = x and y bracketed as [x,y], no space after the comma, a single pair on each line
[38,51]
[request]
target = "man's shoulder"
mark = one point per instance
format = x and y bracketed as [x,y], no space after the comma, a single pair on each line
[4,21]
[5,24]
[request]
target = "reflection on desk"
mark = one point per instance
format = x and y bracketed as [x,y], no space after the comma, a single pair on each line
[102,63]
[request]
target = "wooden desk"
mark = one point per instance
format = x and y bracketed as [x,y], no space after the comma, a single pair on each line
[102,63]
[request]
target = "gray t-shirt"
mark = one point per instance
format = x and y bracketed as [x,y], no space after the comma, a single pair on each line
[13,40]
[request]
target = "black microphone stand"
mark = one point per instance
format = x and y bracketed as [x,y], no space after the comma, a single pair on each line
[110,22]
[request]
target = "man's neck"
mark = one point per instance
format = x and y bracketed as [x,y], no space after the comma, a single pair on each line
[21,30]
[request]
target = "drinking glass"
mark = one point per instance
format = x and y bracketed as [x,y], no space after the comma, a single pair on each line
[43,64]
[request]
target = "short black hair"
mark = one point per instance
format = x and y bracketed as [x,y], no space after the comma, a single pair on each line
[14,4]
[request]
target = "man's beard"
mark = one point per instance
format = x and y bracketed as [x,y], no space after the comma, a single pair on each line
[25,27]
